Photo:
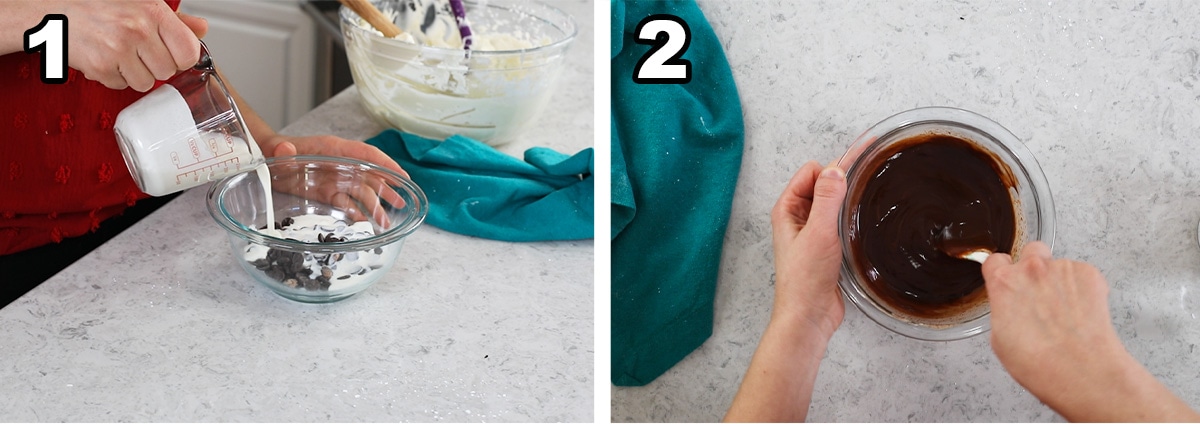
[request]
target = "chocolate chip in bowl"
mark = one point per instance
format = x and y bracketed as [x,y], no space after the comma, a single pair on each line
[923,185]
[344,224]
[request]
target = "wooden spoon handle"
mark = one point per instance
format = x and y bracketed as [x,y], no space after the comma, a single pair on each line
[373,16]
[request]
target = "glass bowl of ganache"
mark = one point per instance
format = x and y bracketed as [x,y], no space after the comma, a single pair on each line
[925,186]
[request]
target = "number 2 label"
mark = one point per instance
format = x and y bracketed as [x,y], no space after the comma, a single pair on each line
[670,37]
[50,38]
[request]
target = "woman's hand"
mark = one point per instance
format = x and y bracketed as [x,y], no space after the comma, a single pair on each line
[328,145]
[1052,331]
[808,306]
[808,251]
[365,200]
[120,44]
[1050,318]
[131,43]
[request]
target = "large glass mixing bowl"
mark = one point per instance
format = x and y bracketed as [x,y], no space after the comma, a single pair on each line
[492,96]
[1031,199]
[346,194]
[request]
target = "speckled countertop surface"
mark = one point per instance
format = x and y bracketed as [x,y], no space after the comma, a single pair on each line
[160,324]
[1105,95]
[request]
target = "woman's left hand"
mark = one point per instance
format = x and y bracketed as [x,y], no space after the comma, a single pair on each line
[328,145]
[360,201]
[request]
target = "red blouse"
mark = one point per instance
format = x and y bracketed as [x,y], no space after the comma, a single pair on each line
[61,172]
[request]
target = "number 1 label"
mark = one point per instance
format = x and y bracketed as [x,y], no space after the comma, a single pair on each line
[50,38]
[670,37]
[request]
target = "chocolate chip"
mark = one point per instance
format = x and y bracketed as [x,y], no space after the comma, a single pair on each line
[378,250]
[343,277]
[275,274]
[287,222]
[320,238]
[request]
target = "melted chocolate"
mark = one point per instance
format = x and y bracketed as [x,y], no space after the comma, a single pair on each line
[925,196]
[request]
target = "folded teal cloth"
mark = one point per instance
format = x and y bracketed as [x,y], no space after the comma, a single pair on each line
[676,153]
[474,189]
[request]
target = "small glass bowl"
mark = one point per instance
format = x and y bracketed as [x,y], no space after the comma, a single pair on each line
[493,96]
[1031,198]
[380,200]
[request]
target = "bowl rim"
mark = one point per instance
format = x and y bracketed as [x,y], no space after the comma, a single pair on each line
[394,179]
[1026,164]
[344,14]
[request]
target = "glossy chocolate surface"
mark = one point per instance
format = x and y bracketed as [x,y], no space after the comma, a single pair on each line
[925,196]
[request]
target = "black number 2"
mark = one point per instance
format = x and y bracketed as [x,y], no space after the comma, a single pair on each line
[670,37]
[50,38]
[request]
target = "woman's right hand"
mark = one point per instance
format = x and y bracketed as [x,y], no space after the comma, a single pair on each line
[130,43]
[117,43]
[1049,316]
[1052,331]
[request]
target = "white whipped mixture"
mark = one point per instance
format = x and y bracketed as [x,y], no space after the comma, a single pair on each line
[172,152]
[435,94]
[348,270]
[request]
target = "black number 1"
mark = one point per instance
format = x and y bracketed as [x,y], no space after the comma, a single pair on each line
[670,37]
[50,39]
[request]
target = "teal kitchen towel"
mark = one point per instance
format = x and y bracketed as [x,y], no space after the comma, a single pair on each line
[676,153]
[474,189]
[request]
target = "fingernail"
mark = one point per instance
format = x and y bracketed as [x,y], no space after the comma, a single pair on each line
[834,173]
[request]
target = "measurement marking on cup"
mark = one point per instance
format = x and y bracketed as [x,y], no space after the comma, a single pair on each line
[212,150]
[195,150]
[196,174]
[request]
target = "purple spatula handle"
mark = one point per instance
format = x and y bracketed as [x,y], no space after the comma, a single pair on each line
[460,17]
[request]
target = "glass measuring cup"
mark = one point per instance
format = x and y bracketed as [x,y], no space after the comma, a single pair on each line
[185,133]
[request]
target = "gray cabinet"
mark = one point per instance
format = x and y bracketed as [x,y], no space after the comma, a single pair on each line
[266,49]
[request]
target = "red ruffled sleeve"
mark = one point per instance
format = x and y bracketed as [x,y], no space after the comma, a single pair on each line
[61,172]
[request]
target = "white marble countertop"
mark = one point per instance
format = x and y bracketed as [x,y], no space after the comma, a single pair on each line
[160,323]
[1105,95]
